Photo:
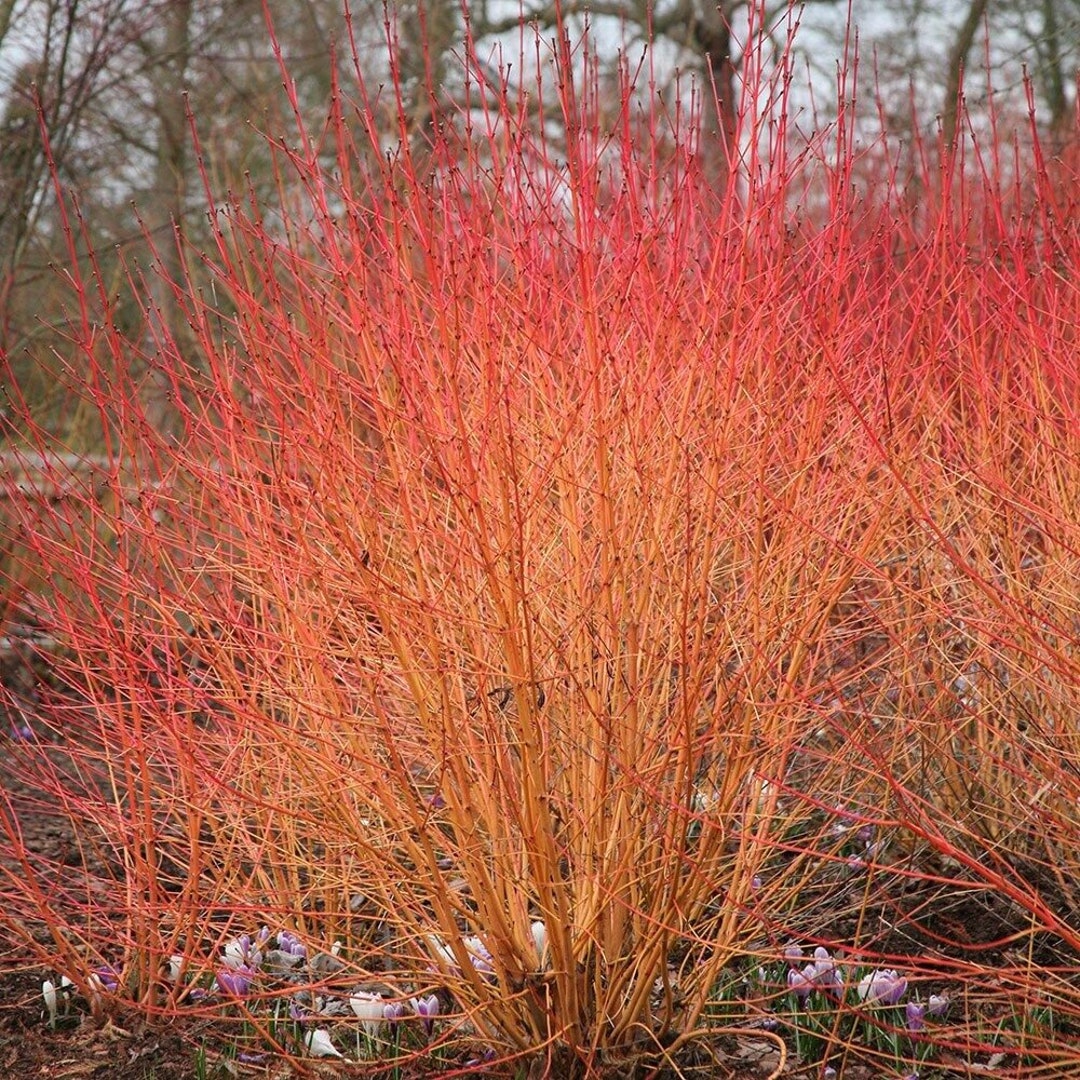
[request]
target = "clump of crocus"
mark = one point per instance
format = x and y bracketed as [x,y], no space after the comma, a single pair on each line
[288,942]
[101,981]
[478,952]
[105,978]
[57,998]
[290,953]
[821,973]
[916,1013]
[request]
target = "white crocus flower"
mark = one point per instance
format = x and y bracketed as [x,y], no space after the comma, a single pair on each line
[318,1044]
[242,952]
[48,992]
[704,800]
[479,954]
[369,1008]
[540,940]
[233,954]
[442,952]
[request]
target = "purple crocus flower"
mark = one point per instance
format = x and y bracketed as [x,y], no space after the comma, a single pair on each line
[105,978]
[289,943]
[393,1011]
[800,983]
[793,954]
[235,981]
[820,974]
[427,1008]
[480,955]
[884,987]
[938,1005]
[824,971]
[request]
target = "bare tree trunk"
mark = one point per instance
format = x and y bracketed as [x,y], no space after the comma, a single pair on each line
[164,213]
[1053,75]
[426,34]
[958,55]
[22,176]
[712,37]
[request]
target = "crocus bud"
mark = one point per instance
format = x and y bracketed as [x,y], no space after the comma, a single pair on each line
[916,1016]
[540,940]
[48,992]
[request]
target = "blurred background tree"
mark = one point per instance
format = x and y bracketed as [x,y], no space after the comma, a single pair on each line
[112,83]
